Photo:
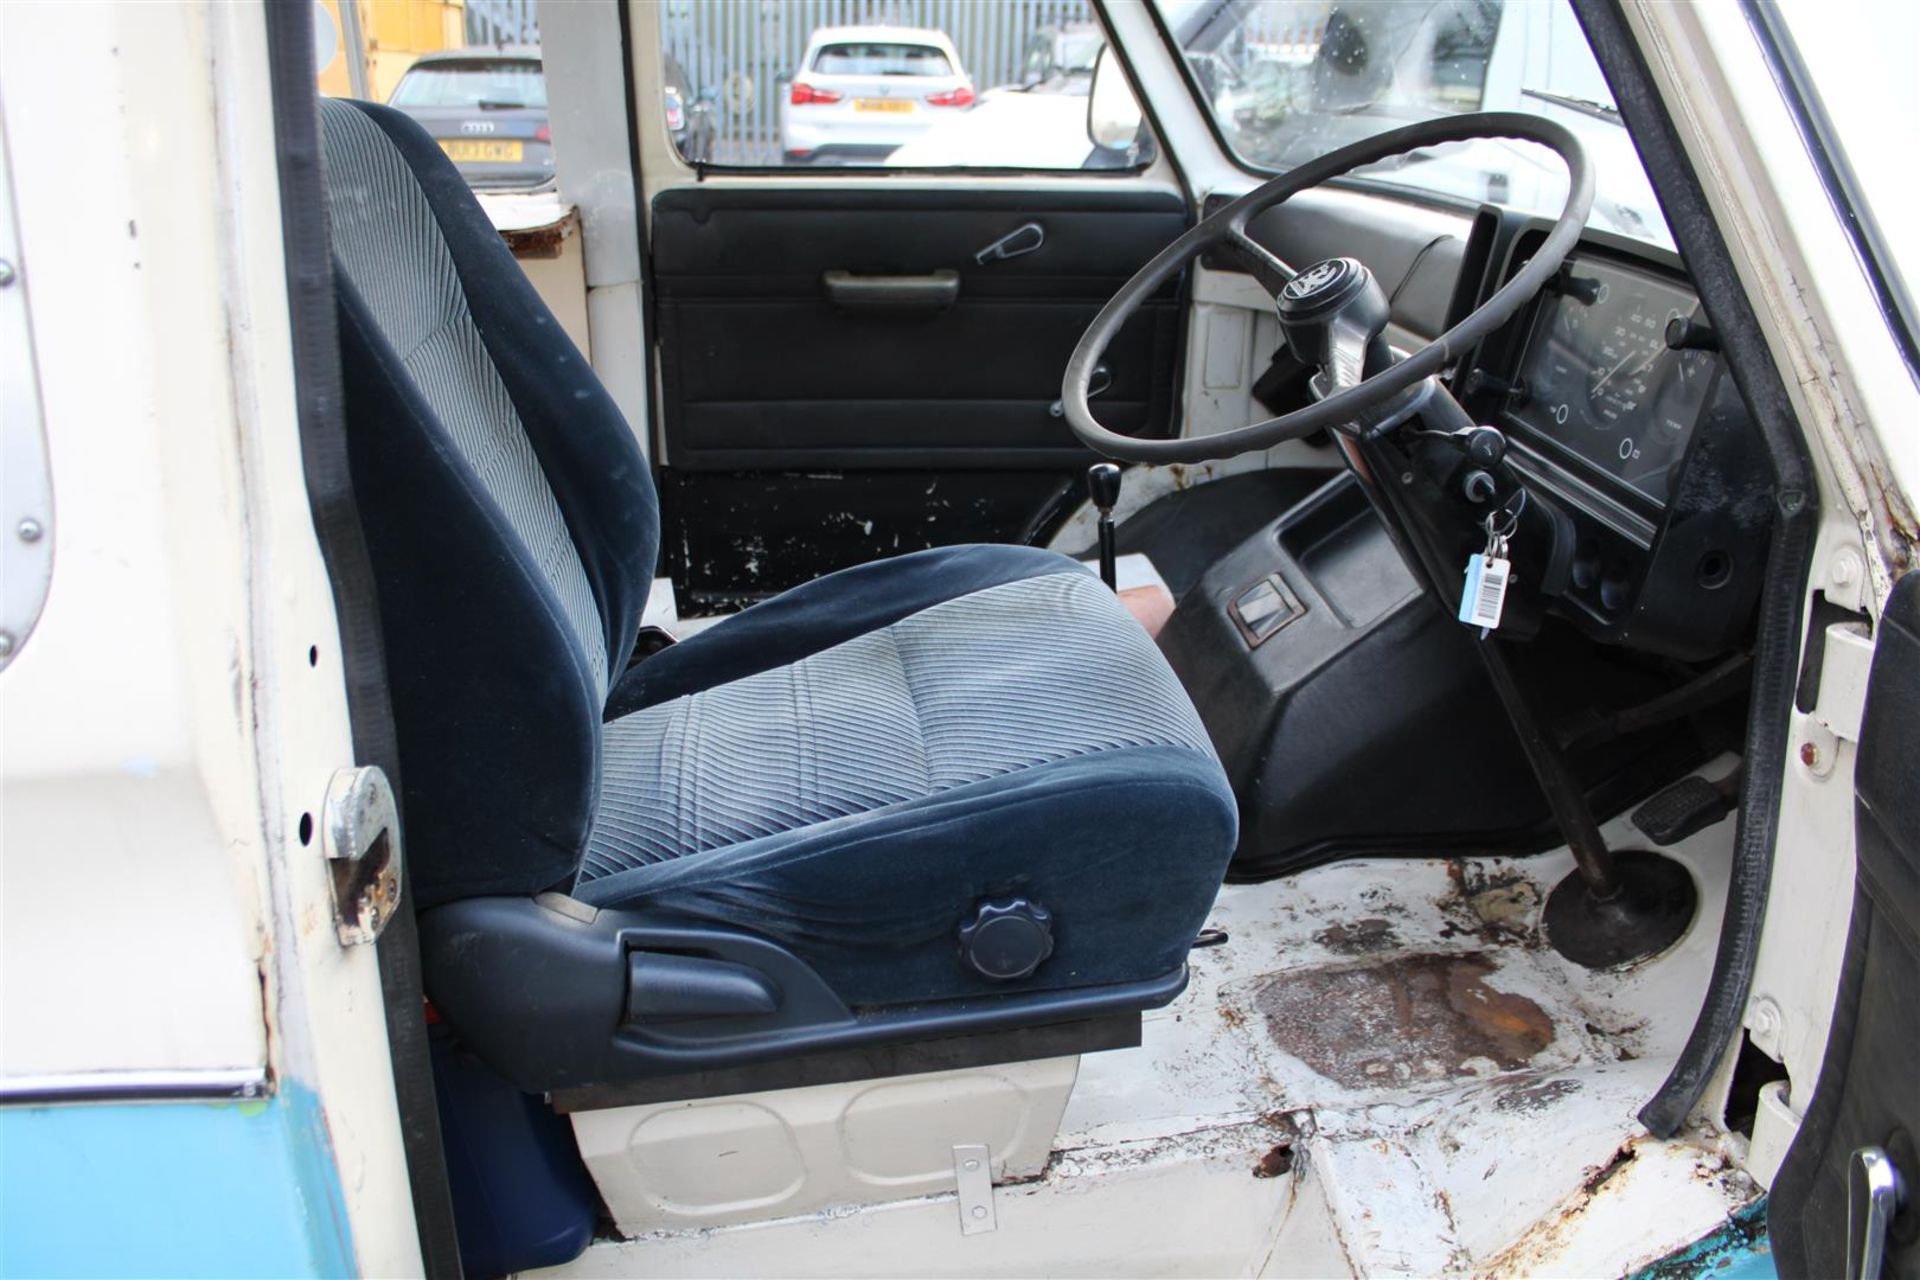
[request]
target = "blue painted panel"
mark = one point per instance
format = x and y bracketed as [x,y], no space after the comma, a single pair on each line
[172,1189]
[1737,1251]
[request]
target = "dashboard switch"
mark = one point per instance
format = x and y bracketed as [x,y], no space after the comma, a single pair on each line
[1587,289]
[1586,566]
[1684,334]
[1486,446]
[1480,382]
[1263,608]
[1616,589]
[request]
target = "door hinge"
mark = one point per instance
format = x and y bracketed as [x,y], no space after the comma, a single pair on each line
[1842,698]
[360,839]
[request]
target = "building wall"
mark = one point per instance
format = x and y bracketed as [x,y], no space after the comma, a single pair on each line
[396,32]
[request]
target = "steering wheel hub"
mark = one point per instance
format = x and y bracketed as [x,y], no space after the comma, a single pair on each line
[1322,284]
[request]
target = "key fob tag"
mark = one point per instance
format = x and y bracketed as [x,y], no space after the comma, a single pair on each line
[1484,595]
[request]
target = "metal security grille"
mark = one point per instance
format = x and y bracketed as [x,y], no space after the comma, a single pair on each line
[744,51]
[501,22]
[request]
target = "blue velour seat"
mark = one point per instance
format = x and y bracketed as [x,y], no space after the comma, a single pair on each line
[953,790]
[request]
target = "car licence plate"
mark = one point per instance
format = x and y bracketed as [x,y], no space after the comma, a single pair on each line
[465,149]
[882,104]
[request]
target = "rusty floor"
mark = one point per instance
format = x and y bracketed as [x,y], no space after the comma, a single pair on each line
[1422,1017]
[1381,1072]
[1457,1089]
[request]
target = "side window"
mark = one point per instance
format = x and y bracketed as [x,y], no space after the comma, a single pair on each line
[991,84]
[470,73]
[1290,80]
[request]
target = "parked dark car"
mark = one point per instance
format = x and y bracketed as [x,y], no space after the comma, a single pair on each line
[689,115]
[1060,59]
[487,109]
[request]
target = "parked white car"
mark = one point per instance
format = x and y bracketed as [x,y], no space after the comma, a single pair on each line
[862,92]
[1010,129]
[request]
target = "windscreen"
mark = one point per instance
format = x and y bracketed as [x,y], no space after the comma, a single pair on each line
[874,59]
[1288,81]
[496,83]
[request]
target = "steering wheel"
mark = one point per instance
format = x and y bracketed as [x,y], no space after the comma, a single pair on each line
[1332,313]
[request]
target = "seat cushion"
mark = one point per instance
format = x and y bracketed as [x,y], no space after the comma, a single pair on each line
[961,725]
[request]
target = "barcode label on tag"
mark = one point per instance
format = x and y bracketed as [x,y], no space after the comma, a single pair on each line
[1485,593]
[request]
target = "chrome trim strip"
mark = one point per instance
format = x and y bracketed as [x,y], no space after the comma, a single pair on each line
[181,1085]
[1535,469]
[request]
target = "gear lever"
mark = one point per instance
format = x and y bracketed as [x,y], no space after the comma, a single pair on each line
[1103,488]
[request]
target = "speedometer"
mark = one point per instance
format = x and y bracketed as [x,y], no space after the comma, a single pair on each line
[1625,363]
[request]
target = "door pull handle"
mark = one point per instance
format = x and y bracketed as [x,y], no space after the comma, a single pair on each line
[934,291]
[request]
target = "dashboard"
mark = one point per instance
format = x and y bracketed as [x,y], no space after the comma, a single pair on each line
[1650,489]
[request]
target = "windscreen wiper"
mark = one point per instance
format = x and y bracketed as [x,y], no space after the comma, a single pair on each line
[1585,106]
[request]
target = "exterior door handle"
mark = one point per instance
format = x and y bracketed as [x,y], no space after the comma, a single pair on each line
[1875,1193]
[934,291]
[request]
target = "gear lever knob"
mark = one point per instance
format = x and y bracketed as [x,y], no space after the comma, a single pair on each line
[1103,489]
[1103,485]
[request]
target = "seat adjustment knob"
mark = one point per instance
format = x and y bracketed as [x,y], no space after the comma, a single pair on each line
[1007,938]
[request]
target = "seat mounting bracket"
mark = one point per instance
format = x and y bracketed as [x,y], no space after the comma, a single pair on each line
[973,1172]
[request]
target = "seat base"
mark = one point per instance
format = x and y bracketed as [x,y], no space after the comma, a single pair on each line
[673,1165]
[876,1062]
[544,991]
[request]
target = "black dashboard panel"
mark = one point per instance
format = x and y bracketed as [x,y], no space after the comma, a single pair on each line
[1651,493]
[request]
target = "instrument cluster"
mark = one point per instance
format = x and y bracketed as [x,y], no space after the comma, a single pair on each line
[1648,483]
[1612,374]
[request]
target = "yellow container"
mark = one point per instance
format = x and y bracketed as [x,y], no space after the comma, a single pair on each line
[396,32]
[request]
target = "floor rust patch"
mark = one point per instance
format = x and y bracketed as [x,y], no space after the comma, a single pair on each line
[1361,937]
[1276,1162]
[1421,1017]
[1536,1096]
[1497,907]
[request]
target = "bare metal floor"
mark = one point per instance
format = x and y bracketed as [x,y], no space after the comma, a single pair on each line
[1383,1071]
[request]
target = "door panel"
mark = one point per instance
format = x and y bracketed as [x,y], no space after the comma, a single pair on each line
[1869,1090]
[775,397]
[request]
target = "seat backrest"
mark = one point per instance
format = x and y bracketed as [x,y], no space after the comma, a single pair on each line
[508,510]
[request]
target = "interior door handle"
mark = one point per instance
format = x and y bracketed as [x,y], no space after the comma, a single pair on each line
[1102,379]
[1016,243]
[934,291]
